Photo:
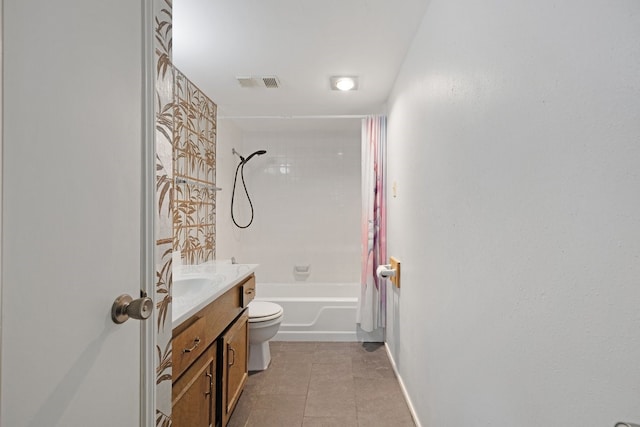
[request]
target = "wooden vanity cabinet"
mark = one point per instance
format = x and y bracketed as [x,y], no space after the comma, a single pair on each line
[234,344]
[210,359]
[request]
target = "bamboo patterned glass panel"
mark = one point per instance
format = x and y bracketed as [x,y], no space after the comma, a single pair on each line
[194,160]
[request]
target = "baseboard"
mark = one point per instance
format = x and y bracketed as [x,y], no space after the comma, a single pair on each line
[332,336]
[402,387]
[335,336]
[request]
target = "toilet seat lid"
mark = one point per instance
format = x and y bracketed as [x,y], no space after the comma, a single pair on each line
[261,311]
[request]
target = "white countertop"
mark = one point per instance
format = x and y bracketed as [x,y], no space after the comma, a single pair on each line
[195,286]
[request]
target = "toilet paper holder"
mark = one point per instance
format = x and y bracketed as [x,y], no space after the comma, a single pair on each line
[390,271]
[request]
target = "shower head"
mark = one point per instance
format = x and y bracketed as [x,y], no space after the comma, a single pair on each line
[258,153]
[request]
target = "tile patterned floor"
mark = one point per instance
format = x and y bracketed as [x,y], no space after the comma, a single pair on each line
[323,385]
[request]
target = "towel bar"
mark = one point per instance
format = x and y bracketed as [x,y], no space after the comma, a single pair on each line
[192,181]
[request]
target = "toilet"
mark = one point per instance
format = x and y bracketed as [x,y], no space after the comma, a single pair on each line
[264,322]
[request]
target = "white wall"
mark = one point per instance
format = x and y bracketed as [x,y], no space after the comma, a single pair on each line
[306,196]
[514,139]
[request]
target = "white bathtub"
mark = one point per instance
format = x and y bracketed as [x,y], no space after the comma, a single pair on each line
[314,311]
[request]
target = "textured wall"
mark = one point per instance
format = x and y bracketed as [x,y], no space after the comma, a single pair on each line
[514,142]
[185,177]
[164,110]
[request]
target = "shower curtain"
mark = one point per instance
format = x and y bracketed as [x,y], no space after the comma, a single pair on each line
[372,304]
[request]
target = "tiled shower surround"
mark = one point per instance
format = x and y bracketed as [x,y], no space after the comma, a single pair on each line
[306,194]
[194,161]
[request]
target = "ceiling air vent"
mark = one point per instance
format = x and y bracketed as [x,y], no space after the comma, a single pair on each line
[270,82]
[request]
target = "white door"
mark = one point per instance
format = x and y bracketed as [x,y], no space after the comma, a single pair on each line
[72,203]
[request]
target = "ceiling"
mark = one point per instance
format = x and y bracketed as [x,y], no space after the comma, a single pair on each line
[303,43]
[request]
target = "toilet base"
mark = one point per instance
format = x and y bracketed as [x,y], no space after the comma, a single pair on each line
[259,356]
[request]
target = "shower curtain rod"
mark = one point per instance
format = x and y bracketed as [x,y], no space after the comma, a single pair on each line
[337,116]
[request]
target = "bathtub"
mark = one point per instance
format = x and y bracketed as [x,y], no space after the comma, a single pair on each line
[314,311]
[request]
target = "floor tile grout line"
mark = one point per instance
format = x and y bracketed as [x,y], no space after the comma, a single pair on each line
[306,396]
[355,399]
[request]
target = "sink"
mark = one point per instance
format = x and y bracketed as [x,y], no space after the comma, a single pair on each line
[188,287]
[194,286]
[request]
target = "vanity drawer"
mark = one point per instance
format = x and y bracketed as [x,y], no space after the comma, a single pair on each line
[188,345]
[248,291]
[221,312]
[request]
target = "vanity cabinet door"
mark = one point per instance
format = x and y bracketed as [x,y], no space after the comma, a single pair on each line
[235,360]
[194,394]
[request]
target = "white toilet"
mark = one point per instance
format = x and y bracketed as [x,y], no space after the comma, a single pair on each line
[264,322]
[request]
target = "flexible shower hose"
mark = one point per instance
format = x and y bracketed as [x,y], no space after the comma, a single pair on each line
[233,193]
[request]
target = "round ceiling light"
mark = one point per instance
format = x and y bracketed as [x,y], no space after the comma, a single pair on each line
[345,83]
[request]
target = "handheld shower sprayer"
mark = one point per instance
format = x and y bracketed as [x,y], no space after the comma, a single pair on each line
[257,153]
[243,161]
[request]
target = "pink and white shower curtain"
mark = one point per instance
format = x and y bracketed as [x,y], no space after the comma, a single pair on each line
[372,304]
